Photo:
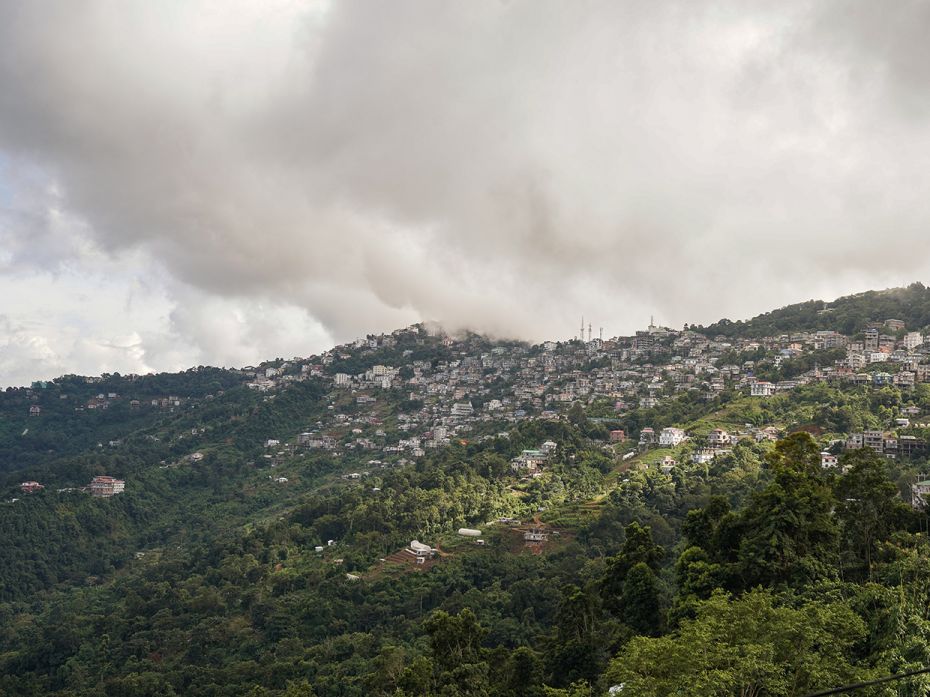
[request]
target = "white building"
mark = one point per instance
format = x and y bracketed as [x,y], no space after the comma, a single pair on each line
[418,549]
[461,409]
[920,494]
[762,388]
[667,464]
[671,436]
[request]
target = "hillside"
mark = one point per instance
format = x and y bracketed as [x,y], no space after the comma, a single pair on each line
[623,501]
[848,315]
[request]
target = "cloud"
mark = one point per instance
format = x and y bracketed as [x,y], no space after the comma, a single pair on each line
[348,167]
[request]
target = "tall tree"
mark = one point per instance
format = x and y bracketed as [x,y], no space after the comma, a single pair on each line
[789,534]
[868,508]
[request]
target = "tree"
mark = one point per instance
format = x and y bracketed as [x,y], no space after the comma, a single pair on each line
[638,547]
[698,577]
[523,674]
[749,647]
[577,650]
[789,535]
[299,688]
[640,600]
[454,639]
[868,507]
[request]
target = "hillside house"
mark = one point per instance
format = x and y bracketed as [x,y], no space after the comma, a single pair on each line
[761,388]
[529,461]
[668,464]
[535,536]
[718,438]
[909,446]
[104,486]
[31,487]
[671,436]
[920,494]
[421,552]
[703,456]
[462,409]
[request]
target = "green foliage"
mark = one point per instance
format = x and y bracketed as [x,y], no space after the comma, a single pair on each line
[659,572]
[789,535]
[754,645]
[847,315]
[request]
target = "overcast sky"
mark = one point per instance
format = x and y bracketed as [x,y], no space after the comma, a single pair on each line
[189,182]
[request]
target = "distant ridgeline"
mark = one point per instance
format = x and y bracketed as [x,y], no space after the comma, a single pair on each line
[71,414]
[847,315]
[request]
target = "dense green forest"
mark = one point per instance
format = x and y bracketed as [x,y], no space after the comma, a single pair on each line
[258,570]
[847,315]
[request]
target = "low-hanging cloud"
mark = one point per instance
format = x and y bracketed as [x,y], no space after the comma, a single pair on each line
[502,166]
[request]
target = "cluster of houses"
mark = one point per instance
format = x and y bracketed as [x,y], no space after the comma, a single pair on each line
[469,384]
[883,355]
[101,486]
[478,381]
[103,400]
[888,444]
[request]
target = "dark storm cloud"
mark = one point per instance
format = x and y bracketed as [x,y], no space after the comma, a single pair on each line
[501,166]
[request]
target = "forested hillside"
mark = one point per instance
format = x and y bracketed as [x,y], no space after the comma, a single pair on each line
[264,544]
[847,315]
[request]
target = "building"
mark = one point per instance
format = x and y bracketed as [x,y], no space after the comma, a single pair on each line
[854,441]
[912,340]
[462,409]
[920,494]
[617,436]
[105,487]
[420,551]
[718,438]
[828,460]
[702,456]
[529,461]
[647,436]
[671,436]
[536,536]
[31,487]
[874,440]
[35,410]
[910,446]
[761,388]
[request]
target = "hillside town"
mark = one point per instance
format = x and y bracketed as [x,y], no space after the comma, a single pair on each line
[392,397]
[480,382]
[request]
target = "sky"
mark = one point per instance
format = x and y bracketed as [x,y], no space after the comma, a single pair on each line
[219,182]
